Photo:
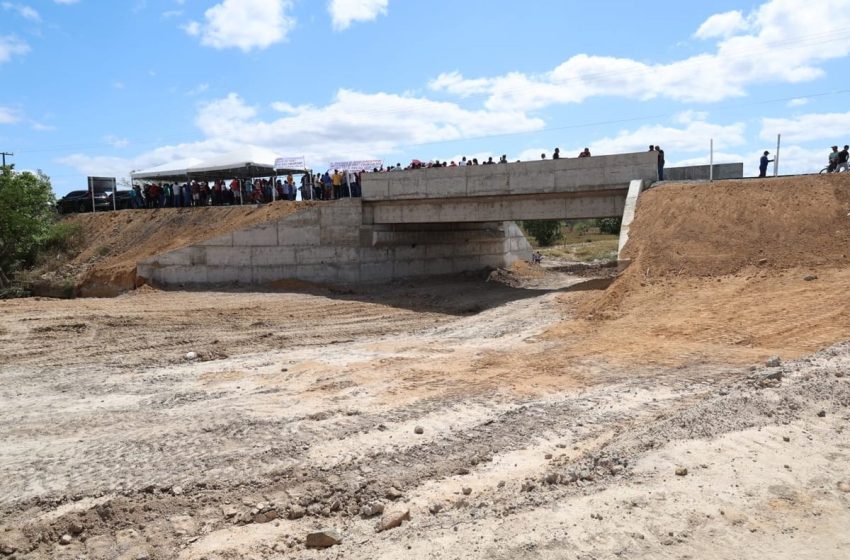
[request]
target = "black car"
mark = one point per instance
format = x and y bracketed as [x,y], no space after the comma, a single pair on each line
[122,202]
[81,201]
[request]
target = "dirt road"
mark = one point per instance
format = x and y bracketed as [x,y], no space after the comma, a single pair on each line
[304,408]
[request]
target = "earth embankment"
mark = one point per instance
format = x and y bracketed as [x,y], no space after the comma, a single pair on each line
[735,270]
[114,242]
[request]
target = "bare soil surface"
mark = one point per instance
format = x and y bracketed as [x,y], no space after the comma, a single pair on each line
[537,415]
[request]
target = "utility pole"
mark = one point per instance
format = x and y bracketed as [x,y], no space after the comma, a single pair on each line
[4,154]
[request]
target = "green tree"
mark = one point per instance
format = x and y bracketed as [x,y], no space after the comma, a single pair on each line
[609,225]
[27,213]
[545,232]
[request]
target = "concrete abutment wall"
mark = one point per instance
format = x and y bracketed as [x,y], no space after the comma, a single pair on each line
[330,244]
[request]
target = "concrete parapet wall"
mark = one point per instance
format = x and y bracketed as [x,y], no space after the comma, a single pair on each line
[703,172]
[566,175]
[330,244]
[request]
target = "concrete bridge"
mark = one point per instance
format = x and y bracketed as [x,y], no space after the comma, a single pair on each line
[577,188]
[418,223]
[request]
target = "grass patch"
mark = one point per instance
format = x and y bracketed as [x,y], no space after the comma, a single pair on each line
[579,247]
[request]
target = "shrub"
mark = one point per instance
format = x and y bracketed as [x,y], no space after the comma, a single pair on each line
[545,232]
[609,225]
[63,237]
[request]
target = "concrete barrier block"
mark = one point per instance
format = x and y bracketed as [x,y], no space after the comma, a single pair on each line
[271,273]
[407,269]
[180,257]
[376,271]
[349,274]
[409,252]
[439,266]
[229,275]
[258,236]
[374,255]
[466,264]
[318,273]
[299,237]
[228,256]
[347,215]
[326,255]
[220,241]
[302,218]
[443,250]
[186,275]
[272,256]
[343,236]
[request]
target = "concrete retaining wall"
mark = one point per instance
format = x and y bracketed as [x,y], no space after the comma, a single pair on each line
[330,244]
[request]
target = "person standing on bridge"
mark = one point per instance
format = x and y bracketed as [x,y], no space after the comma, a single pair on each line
[557,154]
[763,164]
[660,162]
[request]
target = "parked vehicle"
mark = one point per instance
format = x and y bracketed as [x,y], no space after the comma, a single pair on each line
[123,202]
[81,201]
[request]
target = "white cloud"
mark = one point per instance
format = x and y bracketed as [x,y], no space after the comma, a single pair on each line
[66,1]
[355,125]
[694,136]
[799,102]
[345,12]
[172,14]
[722,25]
[118,84]
[26,12]
[198,89]
[11,46]
[785,41]
[116,142]
[830,127]
[193,28]
[9,115]
[243,24]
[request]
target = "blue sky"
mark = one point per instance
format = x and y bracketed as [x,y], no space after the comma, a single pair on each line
[101,88]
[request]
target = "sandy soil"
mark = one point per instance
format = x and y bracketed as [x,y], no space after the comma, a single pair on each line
[302,409]
[536,415]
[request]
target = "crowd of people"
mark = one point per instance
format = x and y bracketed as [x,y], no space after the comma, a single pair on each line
[327,186]
[321,186]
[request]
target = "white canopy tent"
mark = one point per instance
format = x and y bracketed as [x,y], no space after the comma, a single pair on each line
[172,171]
[246,163]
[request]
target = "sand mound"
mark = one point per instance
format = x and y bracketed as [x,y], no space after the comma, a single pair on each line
[734,227]
[116,241]
[734,272]
[717,229]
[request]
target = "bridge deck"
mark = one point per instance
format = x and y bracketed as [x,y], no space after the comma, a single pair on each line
[548,189]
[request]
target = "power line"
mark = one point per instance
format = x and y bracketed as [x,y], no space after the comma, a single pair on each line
[589,79]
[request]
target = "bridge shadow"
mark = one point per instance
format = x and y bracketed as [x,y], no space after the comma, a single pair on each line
[459,295]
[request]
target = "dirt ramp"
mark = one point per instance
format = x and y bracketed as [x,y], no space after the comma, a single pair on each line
[733,271]
[717,229]
[115,242]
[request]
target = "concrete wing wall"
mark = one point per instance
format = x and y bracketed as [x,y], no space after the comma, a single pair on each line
[568,175]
